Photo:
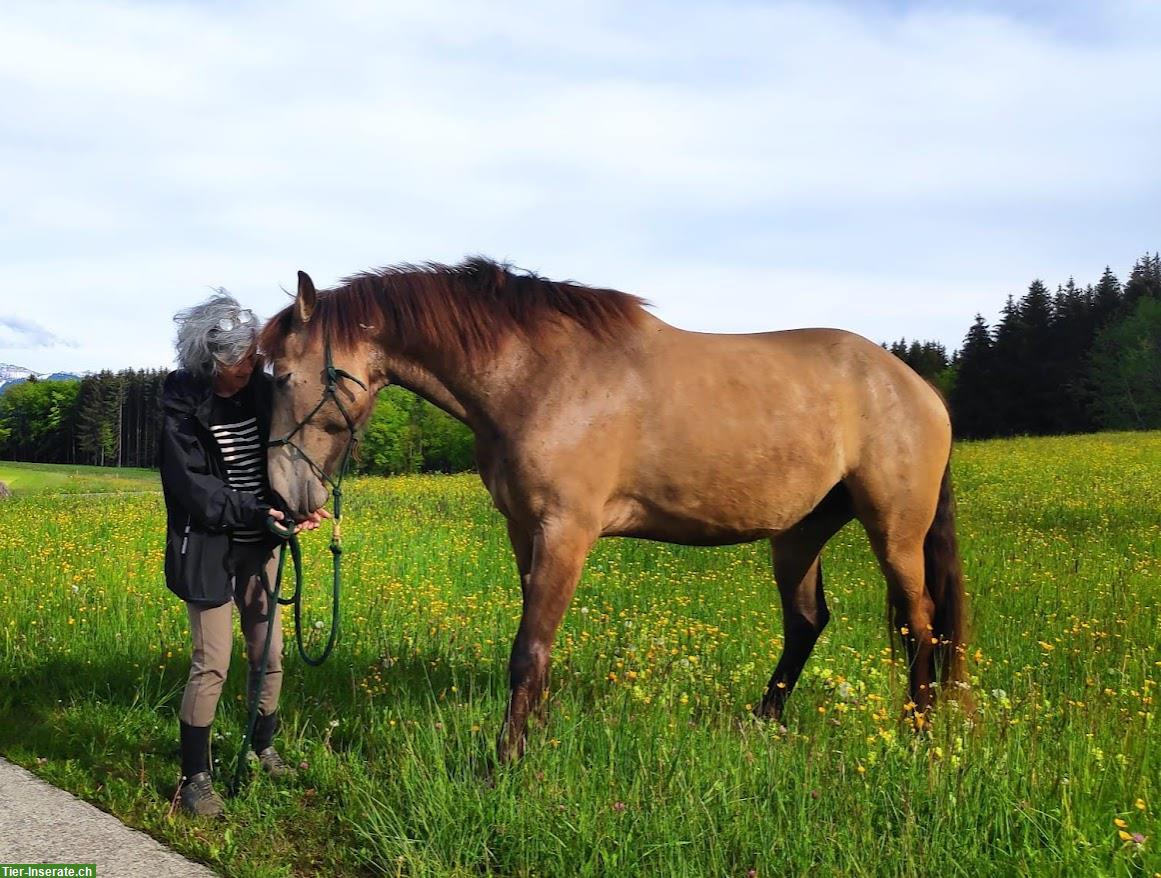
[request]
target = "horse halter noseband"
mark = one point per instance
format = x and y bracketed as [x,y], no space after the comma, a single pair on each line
[330,392]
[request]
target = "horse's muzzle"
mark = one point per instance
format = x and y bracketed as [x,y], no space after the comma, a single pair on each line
[297,489]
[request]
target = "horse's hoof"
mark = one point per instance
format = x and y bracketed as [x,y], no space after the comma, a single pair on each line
[508,751]
[765,712]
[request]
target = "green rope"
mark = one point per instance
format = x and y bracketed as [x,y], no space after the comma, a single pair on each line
[290,539]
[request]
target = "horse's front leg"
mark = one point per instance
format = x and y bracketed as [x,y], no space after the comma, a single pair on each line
[557,557]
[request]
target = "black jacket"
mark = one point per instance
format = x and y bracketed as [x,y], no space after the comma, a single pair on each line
[201,508]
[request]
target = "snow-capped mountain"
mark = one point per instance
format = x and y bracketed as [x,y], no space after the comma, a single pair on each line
[10,375]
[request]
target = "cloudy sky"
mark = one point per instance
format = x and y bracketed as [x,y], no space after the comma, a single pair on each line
[888,167]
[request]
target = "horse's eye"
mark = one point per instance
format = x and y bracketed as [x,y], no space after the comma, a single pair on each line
[281,380]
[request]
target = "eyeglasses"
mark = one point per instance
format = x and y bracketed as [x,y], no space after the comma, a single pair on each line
[243,317]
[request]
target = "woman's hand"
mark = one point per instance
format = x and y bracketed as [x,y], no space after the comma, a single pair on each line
[277,517]
[311,522]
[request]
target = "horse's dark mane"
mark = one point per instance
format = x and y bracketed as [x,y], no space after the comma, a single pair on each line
[466,309]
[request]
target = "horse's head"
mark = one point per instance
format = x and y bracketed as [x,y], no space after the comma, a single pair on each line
[324,393]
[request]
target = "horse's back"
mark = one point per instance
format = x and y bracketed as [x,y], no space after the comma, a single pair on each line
[826,389]
[740,436]
[705,438]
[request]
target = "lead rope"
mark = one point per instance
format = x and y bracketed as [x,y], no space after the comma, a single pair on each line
[290,540]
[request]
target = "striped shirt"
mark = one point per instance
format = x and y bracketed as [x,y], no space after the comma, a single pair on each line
[235,429]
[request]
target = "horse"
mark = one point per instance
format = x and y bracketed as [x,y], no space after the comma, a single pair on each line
[594,418]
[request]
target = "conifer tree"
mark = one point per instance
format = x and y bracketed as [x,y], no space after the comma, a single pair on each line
[1006,357]
[1072,335]
[974,395]
[90,408]
[1106,298]
[1039,363]
[1144,281]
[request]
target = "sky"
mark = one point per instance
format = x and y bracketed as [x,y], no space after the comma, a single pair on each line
[891,168]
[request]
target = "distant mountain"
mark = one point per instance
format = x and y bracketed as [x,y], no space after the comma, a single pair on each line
[10,375]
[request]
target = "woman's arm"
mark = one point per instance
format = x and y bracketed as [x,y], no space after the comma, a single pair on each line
[186,475]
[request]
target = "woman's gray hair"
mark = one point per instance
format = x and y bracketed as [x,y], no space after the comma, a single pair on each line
[202,344]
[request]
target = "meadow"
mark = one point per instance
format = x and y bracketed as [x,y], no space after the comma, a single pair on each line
[650,762]
[24,478]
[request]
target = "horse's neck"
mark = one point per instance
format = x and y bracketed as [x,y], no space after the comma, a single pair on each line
[477,394]
[419,379]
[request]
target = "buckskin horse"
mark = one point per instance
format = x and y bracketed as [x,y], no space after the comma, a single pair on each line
[594,418]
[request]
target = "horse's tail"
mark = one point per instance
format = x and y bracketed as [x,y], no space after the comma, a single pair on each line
[944,576]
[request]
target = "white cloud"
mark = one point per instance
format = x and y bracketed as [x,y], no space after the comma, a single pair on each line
[17,333]
[908,168]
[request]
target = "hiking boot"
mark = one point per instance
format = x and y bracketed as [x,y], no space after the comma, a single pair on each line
[199,799]
[273,764]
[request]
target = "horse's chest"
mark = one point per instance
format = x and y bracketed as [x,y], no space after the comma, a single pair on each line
[499,478]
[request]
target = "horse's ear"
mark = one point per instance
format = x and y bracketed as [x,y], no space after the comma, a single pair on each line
[304,304]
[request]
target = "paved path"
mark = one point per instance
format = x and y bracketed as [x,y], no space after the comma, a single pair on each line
[41,824]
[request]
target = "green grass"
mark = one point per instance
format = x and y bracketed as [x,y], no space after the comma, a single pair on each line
[649,763]
[52,478]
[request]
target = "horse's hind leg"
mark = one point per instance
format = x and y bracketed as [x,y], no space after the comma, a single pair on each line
[798,572]
[804,615]
[912,612]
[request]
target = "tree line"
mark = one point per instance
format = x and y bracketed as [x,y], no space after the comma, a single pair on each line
[114,419]
[1070,361]
[104,419]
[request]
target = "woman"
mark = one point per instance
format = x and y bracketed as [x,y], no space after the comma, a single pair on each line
[219,549]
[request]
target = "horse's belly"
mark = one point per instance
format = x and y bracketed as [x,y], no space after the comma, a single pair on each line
[721,519]
[687,534]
